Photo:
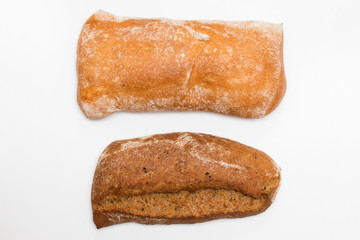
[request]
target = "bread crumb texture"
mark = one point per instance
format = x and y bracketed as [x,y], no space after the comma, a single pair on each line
[134,64]
[181,178]
[183,204]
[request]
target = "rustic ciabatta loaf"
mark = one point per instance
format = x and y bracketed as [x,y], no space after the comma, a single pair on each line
[125,64]
[181,178]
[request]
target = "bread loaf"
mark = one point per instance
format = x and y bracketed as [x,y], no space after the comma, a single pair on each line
[128,64]
[181,178]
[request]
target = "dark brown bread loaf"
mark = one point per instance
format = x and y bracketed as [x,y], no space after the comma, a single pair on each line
[181,178]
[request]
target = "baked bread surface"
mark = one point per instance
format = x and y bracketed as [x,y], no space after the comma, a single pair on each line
[128,64]
[181,178]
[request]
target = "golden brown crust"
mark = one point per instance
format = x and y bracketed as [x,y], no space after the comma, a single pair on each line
[170,163]
[280,91]
[233,68]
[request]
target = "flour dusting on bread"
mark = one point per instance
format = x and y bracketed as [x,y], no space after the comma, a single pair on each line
[227,67]
[181,178]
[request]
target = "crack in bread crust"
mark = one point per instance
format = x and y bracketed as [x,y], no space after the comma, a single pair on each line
[183,204]
[108,218]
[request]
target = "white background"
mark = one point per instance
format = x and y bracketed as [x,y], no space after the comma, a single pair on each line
[49,149]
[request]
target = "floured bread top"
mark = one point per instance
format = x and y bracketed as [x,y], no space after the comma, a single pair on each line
[128,64]
[169,163]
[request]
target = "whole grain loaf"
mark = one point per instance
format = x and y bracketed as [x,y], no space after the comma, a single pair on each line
[181,178]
